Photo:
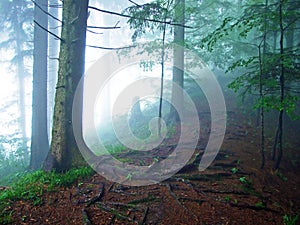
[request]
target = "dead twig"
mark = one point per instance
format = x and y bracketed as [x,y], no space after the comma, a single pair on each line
[98,197]
[145,215]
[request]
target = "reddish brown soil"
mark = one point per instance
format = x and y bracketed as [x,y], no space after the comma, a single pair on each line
[215,196]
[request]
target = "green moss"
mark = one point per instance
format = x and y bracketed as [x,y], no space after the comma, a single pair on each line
[31,186]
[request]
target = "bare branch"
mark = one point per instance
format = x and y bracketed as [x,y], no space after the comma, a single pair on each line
[117,23]
[53,17]
[93,32]
[138,18]
[106,48]
[104,28]
[58,6]
[134,3]
[45,29]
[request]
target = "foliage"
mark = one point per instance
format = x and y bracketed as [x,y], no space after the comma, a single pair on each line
[290,220]
[249,29]
[15,24]
[141,16]
[281,176]
[244,180]
[227,198]
[234,170]
[15,17]
[12,156]
[260,205]
[31,186]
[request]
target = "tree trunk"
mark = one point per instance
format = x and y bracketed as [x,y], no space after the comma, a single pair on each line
[53,51]
[177,95]
[291,18]
[282,86]
[39,135]
[64,153]
[21,82]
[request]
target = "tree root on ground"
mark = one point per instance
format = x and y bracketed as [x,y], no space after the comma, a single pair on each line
[179,203]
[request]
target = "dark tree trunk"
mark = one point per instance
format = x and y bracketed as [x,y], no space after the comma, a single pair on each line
[261,84]
[64,153]
[282,86]
[262,116]
[39,136]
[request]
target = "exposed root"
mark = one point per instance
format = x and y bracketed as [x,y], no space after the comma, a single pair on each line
[85,218]
[98,197]
[145,216]
[115,212]
[225,192]
[257,208]
[179,203]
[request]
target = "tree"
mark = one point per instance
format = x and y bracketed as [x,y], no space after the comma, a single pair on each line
[53,51]
[39,134]
[178,61]
[15,17]
[155,16]
[278,65]
[64,152]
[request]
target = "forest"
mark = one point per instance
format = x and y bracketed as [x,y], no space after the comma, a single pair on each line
[150,112]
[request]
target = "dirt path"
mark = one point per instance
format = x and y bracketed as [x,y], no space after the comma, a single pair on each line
[233,190]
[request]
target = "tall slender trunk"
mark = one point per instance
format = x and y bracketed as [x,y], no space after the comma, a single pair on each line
[262,116]
[22,94]
[39,135]
[282,86]
[261,80]
[162,73]
[53,50]
[177,95]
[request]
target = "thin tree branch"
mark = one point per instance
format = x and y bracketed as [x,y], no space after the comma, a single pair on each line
[93,32]
[134,3]
[53,17]
[45,29]
[104,28]
[58,6]
[290,24]
[107,48]
[132,17]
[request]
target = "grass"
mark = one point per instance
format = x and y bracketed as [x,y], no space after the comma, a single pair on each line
[244,180]
[290,220]
[227,198]
[31,186]
[247,187]
[234,170]
[260,205]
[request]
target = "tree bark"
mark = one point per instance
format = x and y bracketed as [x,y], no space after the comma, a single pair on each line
[282,86]
[53,46]
[64,153]
[39,134]
[177,95]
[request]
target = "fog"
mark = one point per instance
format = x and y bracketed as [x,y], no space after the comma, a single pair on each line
[124,99]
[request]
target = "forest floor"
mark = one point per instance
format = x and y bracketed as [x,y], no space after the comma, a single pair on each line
[233,190]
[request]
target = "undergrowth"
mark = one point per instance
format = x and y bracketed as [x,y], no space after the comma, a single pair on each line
[31,186]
